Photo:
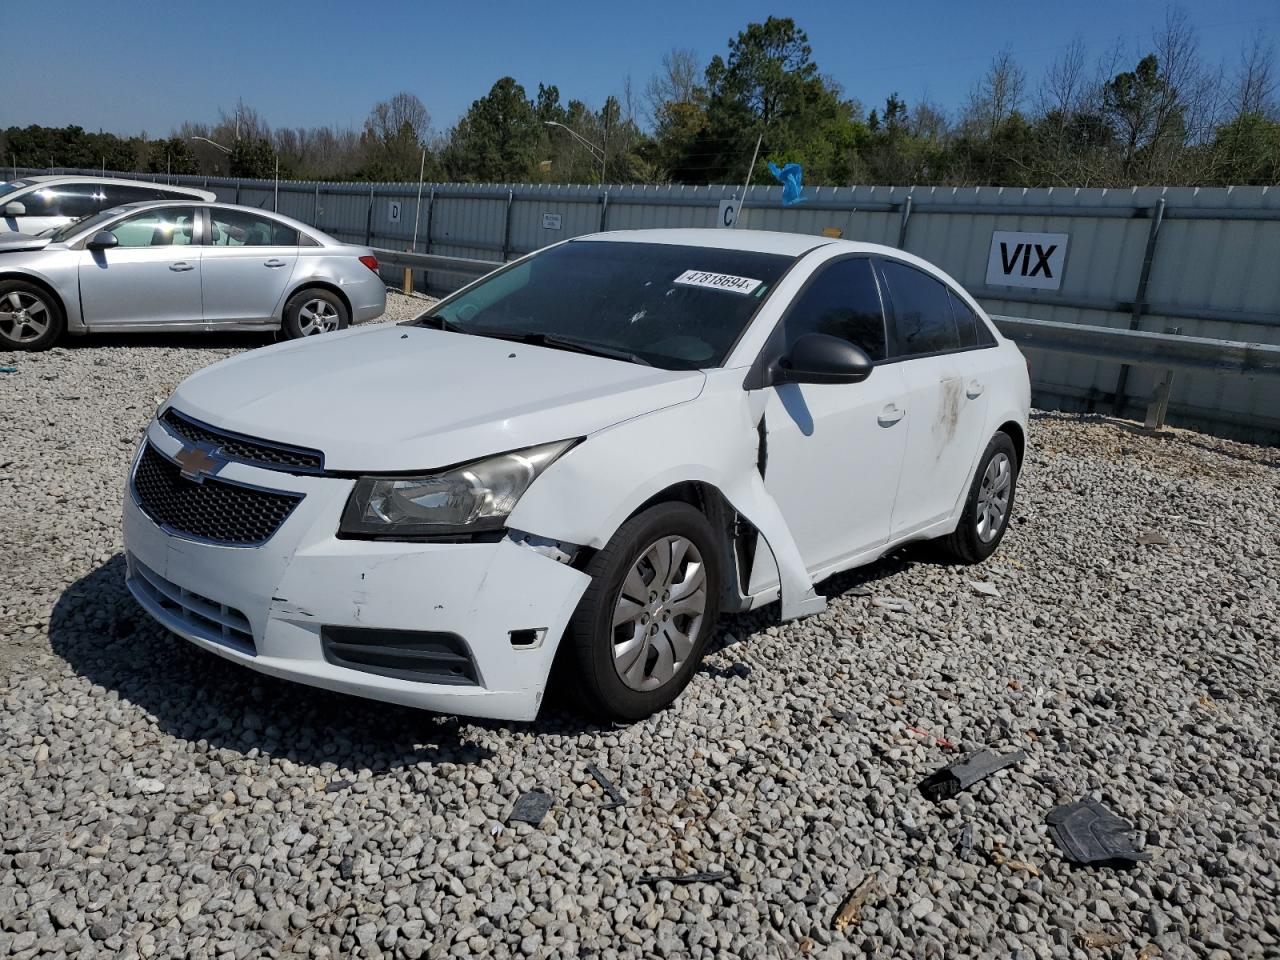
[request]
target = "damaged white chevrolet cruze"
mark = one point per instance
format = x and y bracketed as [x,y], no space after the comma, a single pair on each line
[582,459]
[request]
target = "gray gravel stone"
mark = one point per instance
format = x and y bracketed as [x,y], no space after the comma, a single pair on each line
[1142,674]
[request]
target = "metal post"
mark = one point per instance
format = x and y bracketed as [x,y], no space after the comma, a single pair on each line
[604,209]
[902,225]
[275,203]
[237,191]
[1158,409]
[426,241]
[417,209]
[315,207]
[1140,298]
[368,221]
[506,227]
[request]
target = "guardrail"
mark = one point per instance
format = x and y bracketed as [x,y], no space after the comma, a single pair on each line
[1141,348]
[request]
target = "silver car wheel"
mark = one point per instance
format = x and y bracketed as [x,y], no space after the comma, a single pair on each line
[993,497]
[23,317]
[659,613]
[317,316]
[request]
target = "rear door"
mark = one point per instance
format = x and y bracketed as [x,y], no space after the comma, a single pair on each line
[946,397]
[834,451]
[248,260]
[152,277]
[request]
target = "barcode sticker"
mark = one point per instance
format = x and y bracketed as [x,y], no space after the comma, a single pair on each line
[718,281]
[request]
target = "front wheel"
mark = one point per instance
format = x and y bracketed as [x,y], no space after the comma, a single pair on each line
[314,311]
[641,627]
[989,505]
[30,318]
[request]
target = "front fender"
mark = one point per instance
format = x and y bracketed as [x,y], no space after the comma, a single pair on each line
[586,495]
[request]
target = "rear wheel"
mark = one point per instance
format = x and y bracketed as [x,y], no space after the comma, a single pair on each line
[989,505]
[314,311]
[640,629]
[30,317]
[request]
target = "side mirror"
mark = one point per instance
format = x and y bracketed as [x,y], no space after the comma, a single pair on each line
[103,240]
[15,208]
[820,358]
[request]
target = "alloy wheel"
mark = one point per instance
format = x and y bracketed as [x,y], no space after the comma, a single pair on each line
[993,497]
[659,613]
[24,317]
[317,316]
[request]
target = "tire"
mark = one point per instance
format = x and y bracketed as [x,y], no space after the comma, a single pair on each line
[313,311]
[655,640]
[31,318]
[977,536]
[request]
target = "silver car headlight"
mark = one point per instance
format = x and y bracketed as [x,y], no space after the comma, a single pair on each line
[461,501]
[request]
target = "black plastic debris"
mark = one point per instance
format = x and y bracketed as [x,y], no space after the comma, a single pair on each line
[946,783]
[337,786]
[687,878]
[616,799]
[531,807]
[1087,832]
[346,868]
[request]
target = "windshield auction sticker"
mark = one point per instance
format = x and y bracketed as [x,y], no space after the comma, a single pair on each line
[718,281]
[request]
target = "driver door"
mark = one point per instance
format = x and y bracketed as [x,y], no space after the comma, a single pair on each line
[834,451]
[151,278]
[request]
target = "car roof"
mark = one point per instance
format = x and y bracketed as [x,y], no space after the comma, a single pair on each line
[47,179]
[753,241]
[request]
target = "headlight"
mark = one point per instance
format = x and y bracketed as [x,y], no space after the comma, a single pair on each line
[467,499]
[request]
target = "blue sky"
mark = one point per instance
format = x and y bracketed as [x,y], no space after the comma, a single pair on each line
[115,67]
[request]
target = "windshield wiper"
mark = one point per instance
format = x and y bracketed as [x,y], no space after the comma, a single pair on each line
[439,322]
[556,342]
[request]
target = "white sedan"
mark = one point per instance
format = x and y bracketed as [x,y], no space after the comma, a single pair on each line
[601,446]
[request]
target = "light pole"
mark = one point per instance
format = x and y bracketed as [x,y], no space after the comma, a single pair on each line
[597,153]
[275,203]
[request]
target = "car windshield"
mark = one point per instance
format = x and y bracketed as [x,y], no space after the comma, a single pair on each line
[670,306]
[68,230]
[7,188]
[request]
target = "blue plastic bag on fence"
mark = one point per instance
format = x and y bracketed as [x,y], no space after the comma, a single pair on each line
[790,176]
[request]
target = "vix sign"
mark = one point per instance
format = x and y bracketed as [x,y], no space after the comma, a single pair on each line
[1027,259]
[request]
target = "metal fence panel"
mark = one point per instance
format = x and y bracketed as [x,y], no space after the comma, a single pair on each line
[1212,274]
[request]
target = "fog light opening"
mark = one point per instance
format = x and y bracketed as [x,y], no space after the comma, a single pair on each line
[528,639]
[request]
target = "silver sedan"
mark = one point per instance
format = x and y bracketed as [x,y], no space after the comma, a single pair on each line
[180,266]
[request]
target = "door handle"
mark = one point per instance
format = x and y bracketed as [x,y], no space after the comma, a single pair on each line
[974,390]
[181,266]
[273,263]
[890,415]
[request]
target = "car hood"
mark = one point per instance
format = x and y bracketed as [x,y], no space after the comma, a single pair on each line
[412,398]
[22,241]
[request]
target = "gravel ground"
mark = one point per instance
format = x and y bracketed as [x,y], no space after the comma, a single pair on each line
[158,801]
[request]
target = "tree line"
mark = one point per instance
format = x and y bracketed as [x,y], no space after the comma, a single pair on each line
[1160,115]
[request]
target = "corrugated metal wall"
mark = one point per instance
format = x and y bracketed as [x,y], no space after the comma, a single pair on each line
[1215,268]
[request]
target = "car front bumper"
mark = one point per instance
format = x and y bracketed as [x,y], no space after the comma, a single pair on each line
[266,606]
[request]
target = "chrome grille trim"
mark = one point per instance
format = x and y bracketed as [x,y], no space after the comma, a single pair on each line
[241,448]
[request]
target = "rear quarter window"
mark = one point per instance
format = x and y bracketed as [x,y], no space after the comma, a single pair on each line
[923,322]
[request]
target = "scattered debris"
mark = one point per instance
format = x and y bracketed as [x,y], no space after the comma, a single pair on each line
[346,868]
[926,735]
[334,786]
[149,785]
[805,946]
[242,869]
[1149,951]
[909,826]
[1014,685]
[962,774]
[964,843]
[850,912]
[1000,860]
[1099,940]
[986,589]
[858,592]
[1087,832]
[531,807]
[8,369]
[893,604]
[616,799]
[495,828]
[1150,538]
[687,878]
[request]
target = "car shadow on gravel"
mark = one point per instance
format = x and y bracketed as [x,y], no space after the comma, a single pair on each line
[191,694]
[192,340]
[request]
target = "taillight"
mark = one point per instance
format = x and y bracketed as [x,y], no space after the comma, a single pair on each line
[371,262]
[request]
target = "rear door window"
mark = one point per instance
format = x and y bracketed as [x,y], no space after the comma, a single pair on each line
[921,311]
[236,228]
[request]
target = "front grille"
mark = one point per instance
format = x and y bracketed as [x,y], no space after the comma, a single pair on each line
[427,657]
[188,610]
[216,510]
[234,446]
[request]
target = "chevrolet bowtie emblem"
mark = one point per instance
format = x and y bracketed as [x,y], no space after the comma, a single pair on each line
[198,463]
